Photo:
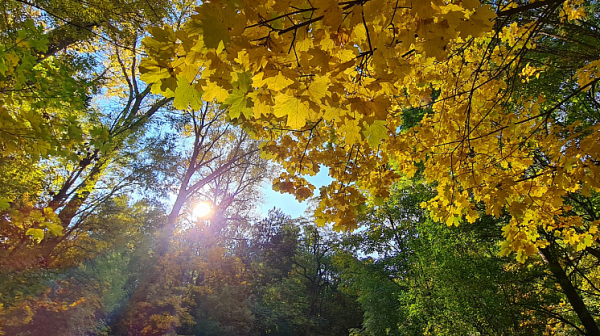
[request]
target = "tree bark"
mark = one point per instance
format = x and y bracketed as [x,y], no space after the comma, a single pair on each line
[549,256]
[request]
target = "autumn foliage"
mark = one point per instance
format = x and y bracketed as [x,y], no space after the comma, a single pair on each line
[329,83]
[464,135]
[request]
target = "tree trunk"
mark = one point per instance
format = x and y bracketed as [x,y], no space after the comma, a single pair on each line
[549,256]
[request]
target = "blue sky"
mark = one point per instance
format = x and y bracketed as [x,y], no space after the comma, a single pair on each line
[286,202]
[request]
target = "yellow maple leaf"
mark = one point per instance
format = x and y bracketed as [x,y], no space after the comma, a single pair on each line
[213,91]
[278,82]
[296,110]
[318,88]
[351,132]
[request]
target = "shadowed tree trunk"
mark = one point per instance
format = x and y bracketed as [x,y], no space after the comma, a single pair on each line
[550,257]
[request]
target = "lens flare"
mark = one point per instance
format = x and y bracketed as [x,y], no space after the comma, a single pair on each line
[201,210]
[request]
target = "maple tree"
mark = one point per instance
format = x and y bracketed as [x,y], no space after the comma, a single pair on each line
[336,83]
[327,83]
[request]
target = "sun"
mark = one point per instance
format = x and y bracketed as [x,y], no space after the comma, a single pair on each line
[202,209]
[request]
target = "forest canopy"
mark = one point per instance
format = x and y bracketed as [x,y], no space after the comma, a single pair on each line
[336,84]
[462,139]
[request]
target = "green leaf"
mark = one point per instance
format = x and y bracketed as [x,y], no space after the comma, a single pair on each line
[186,94]
[238,104]
[215,26]
[376,132]
[4,203]
[244,81]
[3,67]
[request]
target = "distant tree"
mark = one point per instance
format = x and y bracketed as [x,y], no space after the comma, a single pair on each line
[219,164]
[421,278]
[309,300]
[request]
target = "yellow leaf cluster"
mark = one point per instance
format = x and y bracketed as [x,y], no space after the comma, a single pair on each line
[329,83]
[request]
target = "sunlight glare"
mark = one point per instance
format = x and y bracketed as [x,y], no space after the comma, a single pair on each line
[202,209]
